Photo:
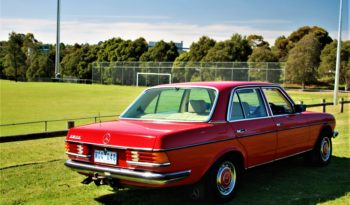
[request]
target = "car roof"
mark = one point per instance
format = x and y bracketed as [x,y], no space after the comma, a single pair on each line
[220,85]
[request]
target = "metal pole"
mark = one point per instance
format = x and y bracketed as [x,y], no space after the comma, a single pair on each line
[57,60]
[337,67]
[137,80]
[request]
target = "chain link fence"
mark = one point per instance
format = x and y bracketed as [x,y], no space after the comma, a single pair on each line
[153,73]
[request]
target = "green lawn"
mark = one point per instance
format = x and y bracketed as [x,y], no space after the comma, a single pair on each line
[27,102]
[32,172]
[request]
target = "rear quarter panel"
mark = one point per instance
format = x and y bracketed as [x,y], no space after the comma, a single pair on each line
[317,122]
[197,150]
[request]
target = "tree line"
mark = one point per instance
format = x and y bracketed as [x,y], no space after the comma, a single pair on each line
[309,54]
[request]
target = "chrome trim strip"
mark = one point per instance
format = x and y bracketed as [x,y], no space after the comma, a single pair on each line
[260,133]
[128,174]
[279,159]
[231,138]
[218,122]
[301,126]
[112,146]
[148,164]
[78,155]
[193,145]
[169,86]
[247,119]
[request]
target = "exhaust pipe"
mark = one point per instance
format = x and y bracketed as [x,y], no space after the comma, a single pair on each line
[88,180]
[100,180]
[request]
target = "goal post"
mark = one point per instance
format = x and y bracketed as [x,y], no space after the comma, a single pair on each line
[156,74]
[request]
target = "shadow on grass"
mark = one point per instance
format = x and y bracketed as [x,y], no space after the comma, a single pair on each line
[286,182]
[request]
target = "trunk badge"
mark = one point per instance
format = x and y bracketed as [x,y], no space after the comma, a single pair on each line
[106,138]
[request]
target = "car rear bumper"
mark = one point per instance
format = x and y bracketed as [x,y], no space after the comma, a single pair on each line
[127,174]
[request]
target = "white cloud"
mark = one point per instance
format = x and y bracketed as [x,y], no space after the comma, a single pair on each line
[129,17]
[94,31]
[262,21]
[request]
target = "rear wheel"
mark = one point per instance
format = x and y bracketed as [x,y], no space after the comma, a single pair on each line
[223,179]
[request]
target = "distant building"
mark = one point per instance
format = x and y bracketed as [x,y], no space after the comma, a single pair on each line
[179,46]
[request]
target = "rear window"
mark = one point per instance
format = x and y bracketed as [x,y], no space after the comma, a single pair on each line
[170,103]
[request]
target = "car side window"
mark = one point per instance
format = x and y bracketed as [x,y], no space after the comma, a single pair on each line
[278,103]
[247,103]
[236,109]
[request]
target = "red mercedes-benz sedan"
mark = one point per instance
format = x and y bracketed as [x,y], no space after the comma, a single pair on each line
[203,134]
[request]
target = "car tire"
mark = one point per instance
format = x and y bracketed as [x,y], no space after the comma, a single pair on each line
[223,179]
[321,155]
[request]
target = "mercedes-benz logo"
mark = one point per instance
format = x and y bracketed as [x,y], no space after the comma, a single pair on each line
[106,138]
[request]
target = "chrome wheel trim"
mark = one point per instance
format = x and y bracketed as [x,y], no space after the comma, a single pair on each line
[325,149]
[226,178]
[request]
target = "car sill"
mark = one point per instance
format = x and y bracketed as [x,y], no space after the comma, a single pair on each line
[279,159]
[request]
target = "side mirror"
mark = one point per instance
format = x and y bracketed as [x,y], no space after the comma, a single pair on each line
[299,108]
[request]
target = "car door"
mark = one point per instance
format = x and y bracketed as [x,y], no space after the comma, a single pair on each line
[292,135]
[252,125]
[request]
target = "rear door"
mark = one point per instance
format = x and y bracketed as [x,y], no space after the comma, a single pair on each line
[292,134]
[252,125]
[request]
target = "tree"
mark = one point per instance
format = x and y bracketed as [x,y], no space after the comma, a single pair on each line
[235,49]
[198,50]
[78,62]
[280,48]
[262,66]
[107,50]
[257,41]
[179,71]
[131,50]
[283,45]
[161,52]
[326,70]
[15,59]
[319,33]
[303,61]
[2,58]
[40,67]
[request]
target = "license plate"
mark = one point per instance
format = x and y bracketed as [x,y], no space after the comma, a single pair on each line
[105,157]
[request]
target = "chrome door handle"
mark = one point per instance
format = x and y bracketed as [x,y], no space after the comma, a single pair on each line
[240,130]
[279,124]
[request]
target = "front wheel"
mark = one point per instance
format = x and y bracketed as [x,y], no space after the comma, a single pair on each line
[325,151]
[223,179]
[322,153]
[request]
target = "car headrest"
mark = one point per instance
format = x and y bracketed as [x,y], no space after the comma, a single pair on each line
[197,106]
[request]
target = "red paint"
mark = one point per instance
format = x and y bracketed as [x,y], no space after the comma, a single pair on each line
[196,146]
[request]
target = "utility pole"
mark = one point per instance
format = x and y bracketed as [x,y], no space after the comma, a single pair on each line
[57,59]
[337,67]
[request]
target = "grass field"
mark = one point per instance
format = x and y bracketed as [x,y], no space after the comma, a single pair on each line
[27,102]
[32,172]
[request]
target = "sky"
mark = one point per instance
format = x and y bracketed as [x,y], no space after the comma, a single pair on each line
[91,21]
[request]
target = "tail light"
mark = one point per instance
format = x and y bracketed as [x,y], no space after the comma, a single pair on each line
[78,151]
[150,159]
